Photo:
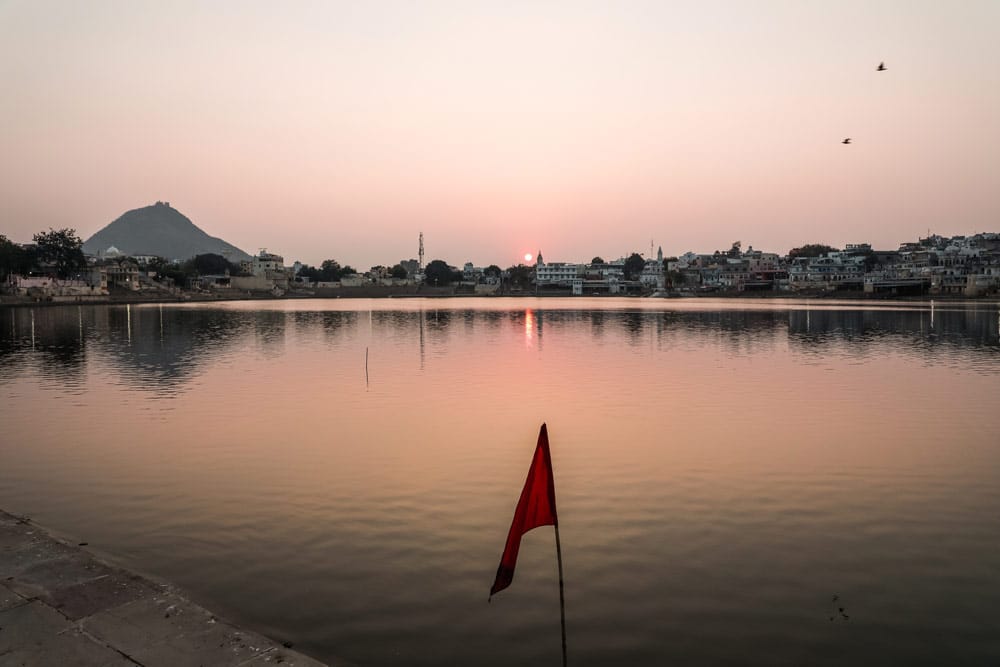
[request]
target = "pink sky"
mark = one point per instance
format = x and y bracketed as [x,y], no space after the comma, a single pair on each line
[341,130]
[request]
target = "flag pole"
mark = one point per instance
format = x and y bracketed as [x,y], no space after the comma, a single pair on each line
[562,600]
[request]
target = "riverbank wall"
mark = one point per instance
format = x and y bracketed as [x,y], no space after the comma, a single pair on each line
[62,604]
[375,292]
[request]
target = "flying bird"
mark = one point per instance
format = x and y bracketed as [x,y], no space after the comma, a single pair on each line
[846,141]
[880,68]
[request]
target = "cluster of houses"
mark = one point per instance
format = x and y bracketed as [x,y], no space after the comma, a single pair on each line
[959,265]
[600,277]
[111,271]
[264,272]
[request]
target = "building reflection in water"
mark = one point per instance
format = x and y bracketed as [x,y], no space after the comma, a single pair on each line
[161,348]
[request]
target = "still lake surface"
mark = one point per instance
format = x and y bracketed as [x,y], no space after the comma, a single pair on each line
[723,469]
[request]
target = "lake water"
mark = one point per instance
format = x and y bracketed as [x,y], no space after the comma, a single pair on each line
[723,469]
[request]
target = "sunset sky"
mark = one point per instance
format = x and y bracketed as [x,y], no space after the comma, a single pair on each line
[342,130]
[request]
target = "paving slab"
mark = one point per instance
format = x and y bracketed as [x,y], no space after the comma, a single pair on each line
[61,605]
[72,648]
[106,592]
[9,599]
[46,577]
[168,629]
[30,626]
[149,621]
[286,658]
[33,551]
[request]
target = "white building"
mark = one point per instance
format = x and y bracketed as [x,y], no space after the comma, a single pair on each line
[826,272]
[471,273]
[268,272]
[652,271]
[557,273]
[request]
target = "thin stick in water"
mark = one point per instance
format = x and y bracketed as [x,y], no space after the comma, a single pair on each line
[562,600]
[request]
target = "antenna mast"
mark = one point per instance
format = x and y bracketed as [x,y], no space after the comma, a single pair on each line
[420,253]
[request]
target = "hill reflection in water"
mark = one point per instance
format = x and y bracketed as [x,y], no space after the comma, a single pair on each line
[159,348]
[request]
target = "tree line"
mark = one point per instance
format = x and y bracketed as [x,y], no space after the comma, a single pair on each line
[57,250]
[61,252]
[330,271]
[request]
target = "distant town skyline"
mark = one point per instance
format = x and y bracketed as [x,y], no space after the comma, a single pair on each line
[579,128]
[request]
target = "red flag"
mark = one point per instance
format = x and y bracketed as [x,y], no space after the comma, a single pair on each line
[536,507]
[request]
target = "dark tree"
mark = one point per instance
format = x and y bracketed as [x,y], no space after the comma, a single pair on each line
[160,268]
[633,266]
[62,249]
[330,271]
[178,274]
[13,258]
[398,272]
[493,271]
[156,265]
[210,264]
[437,272]
[810,250]
[521,276]
[310,273]
[598,260]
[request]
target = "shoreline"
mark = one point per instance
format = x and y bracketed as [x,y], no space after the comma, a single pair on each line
[446,293]
[61,603]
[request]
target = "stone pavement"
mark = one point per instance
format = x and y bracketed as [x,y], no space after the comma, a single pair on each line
[60,605]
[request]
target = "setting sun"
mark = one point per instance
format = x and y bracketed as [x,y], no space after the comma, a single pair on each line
[527,256]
